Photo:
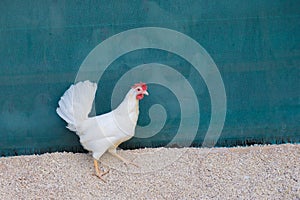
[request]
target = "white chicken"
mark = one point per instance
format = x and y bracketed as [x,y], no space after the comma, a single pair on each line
[104,132]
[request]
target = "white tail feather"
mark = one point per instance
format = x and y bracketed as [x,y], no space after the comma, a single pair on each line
[76,103]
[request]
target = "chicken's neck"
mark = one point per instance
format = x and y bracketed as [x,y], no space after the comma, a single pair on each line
[129,107]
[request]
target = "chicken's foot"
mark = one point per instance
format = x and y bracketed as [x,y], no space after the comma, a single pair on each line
[114,153]
[98,173]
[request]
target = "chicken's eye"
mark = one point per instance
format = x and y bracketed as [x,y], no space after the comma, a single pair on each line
[139,89]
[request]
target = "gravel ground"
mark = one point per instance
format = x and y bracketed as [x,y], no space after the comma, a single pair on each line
[257,172]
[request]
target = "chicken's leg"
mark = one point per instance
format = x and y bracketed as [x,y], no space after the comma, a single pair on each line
[98,173]
[114,153]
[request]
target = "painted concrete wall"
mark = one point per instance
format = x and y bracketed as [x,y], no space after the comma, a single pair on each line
[237,58]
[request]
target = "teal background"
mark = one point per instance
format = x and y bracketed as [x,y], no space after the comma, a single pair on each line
[255,45]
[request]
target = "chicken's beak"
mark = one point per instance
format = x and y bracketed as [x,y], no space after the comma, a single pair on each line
[145,92]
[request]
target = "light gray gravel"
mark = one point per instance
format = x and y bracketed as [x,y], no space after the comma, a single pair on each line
[257,172]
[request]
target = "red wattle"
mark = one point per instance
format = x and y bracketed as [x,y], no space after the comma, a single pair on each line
[139,96]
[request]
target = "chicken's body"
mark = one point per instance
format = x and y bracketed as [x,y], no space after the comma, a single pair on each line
[100,133]
[104,132]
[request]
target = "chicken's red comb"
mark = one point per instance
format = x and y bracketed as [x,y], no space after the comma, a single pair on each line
[141,84]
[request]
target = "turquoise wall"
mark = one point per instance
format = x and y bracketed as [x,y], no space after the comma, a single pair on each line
[254,44]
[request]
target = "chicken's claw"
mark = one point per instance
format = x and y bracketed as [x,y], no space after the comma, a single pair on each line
[131,163]
[98,173]
[114,153]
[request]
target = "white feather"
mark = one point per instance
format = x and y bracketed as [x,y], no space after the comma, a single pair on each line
[76,103]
